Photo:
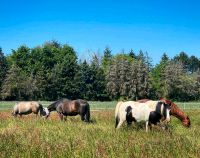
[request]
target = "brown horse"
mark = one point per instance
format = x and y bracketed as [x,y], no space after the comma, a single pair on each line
[66,107]
[175,111]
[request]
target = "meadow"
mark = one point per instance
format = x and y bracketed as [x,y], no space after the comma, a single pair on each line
[36,137]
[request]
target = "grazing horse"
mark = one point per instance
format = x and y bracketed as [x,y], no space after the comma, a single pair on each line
[66,107]
[27,107]
[150,112]
[175,111]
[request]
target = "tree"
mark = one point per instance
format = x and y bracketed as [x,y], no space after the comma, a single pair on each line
[180,85]
[112,79]
[194,64]
[62,77]
[85,80]
[20,58]
[158,86]
[3,68]
[99,81]
[14,86]
[107,57]
[183,58]
[132,54]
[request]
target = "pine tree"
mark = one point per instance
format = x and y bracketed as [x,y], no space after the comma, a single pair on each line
[14,84]
[107,57]
[3,68]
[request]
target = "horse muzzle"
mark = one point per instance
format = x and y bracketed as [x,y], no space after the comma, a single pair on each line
[186,122]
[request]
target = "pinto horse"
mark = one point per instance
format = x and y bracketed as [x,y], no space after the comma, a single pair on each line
[66,107]
[151,112]
[175,111]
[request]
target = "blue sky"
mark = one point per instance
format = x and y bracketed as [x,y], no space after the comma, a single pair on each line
[155,26]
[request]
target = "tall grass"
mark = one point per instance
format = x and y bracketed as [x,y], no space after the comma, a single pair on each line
[35,137]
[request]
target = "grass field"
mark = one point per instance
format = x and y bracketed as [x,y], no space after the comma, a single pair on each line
[35,137]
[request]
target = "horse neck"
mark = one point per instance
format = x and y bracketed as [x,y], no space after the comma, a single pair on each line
[159,108]
[52,107]
[162,110]
[177,112]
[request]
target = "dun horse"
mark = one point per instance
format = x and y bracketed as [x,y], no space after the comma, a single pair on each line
[150,112]
[175,111]
[28,107]
[66,107]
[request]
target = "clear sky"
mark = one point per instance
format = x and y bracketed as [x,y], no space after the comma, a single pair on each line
[155,26]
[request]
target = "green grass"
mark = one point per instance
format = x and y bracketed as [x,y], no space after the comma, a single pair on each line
[35,137]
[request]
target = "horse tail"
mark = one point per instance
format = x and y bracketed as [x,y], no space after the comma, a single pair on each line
[117,113]
[87,114]
[15,110]
[116,121]
[117,108]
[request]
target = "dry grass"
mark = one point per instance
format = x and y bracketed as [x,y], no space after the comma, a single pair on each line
[35,137]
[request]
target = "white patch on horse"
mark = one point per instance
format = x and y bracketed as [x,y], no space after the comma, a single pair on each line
[141,112]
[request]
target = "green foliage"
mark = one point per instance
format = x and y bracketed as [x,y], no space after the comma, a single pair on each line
[128,78]
[16,84]
[158,79]
[92,80]
[20,58]
[107,57]
[51,72]
[3,68]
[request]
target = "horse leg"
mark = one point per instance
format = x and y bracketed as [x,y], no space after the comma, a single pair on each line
[164,126]
[36,115]
[83,117]
[61,116]
[65,118]
[147,124]
[116,121]
[150,126]
[129,123]
[119,124]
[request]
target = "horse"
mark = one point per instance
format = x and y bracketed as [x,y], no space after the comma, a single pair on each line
[66,107]
[151,112]
[175,111]
[28,107]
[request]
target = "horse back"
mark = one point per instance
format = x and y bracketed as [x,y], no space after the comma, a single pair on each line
[31,106]
[68,107]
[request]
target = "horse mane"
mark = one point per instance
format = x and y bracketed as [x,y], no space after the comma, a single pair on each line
[40,107]
[143,100]
[175,110]
[158,107]
[53,106]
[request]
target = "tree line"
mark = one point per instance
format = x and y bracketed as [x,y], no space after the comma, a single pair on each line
[53,71]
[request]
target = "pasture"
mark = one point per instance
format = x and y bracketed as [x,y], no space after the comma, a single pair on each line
[35,137]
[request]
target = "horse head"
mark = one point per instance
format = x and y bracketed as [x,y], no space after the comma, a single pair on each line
[47,112]
[44,112]
[177,112]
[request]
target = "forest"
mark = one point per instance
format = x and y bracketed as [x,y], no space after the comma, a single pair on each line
[53,71]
